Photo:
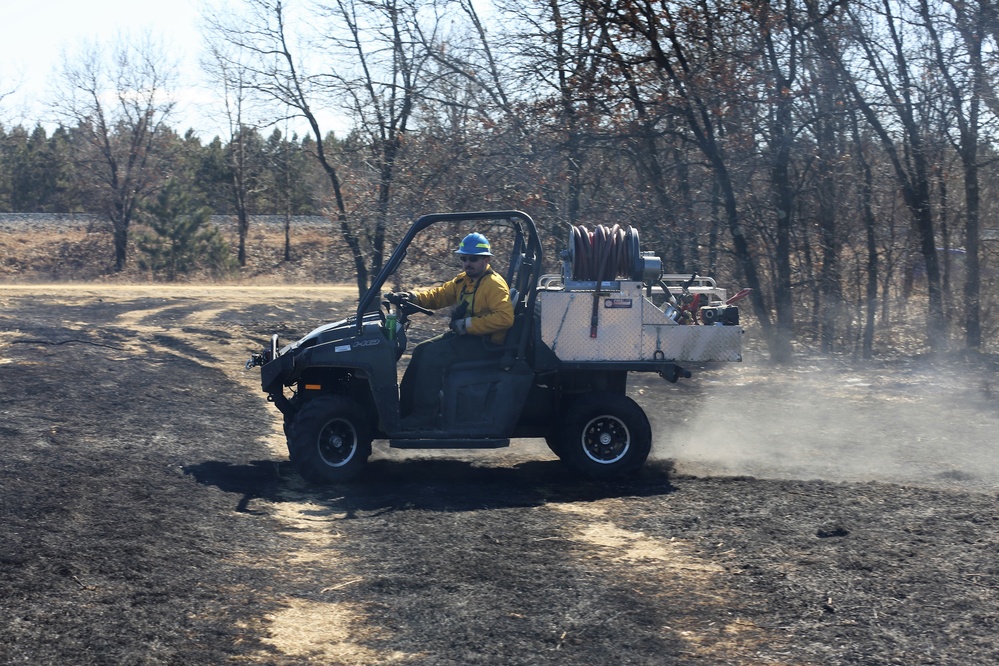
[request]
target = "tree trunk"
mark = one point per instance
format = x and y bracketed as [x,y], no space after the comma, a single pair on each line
[973,277]
[120,245]
[830,280]
[243,221]
[870,228]
[783,198]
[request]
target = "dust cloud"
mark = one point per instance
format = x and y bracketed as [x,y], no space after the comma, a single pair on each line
[913,423]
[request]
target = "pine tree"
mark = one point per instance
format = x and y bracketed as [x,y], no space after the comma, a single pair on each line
[181,237]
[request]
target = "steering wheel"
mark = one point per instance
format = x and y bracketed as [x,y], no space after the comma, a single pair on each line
[405,306]
[409,307]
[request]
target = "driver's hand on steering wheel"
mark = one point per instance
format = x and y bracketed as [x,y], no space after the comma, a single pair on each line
[397,297]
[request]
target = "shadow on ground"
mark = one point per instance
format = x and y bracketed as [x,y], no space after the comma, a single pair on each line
[433,485]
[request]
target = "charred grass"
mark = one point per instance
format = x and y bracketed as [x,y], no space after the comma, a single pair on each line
[148,516]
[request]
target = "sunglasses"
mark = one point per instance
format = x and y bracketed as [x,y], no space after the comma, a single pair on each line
[470,260]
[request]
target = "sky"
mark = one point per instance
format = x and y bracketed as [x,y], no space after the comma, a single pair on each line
[34,34]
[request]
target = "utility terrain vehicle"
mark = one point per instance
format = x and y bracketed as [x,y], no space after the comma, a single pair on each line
[560,375]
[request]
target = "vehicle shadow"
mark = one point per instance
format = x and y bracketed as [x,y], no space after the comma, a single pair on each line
[431,485]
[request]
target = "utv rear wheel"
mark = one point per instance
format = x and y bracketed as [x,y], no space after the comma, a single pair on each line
[606,435]
[330,440]
[555,442]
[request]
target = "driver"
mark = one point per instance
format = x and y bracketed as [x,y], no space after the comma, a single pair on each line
[479,321]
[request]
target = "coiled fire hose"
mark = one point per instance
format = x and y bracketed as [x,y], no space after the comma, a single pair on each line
[603,254]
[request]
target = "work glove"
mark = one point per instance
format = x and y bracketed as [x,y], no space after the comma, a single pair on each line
[397,297]
[460,326]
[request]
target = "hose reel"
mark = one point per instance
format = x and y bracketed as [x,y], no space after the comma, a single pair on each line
[608,253]
[604,255]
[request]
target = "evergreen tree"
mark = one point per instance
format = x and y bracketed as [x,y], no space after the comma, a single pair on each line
[6,145]
[63,194]
[181,237]
[212,177]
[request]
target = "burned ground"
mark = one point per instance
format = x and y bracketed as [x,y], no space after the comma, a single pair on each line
[820,514]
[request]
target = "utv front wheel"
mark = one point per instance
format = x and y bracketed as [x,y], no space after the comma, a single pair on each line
[606,435]
[330,440]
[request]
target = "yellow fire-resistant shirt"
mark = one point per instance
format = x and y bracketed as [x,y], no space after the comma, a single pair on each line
[490,311]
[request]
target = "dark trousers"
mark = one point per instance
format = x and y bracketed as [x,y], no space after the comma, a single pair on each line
[419,392]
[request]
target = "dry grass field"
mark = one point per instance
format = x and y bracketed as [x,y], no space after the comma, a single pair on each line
[47,250]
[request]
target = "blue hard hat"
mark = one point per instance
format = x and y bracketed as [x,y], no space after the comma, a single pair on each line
[474,243]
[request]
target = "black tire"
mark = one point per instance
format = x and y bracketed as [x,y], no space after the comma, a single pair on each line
[555,437]
[605,435]
[289,425]
[330,440]
[555,442]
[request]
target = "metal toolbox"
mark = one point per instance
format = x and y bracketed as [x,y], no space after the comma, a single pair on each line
[626,325]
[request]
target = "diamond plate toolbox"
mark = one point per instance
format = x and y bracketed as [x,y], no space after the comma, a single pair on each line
[628,327]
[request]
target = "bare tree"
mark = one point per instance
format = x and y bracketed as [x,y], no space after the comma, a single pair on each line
[829,137]
[677,47]
[884,80]
[278,72]
[358,56]
[964,76]
[117,99]
[522,83]
[866,205]
[230,74]
[6,92]
[8,86]
[382,83]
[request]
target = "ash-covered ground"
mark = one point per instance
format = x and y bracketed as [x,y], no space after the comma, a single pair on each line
[826,513]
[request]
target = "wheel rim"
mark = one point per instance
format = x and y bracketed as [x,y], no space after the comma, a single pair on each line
[337,442]
[606,439]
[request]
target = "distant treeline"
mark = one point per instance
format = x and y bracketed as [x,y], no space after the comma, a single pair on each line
[43,173]
[29,221]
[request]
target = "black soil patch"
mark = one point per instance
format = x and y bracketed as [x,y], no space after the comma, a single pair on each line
[145,520]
